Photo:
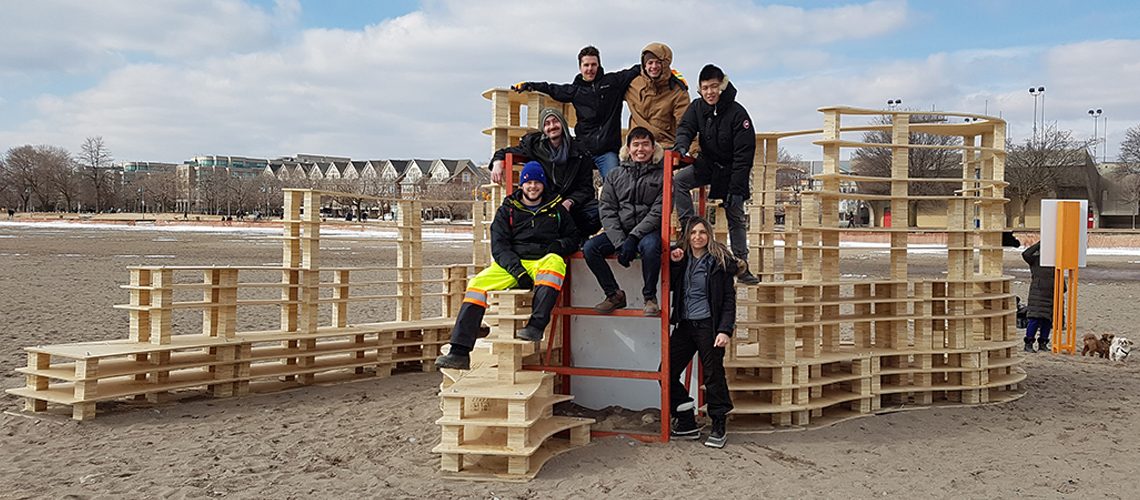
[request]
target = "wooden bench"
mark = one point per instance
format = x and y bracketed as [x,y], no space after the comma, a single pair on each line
[82,374]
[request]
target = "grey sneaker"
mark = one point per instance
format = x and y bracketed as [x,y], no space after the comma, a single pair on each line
[718,436]
[685,426]
[611,304]
[454,361]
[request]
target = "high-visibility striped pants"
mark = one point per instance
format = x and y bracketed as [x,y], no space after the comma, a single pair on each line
[548,274]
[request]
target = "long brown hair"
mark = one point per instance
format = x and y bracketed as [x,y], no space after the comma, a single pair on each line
[716,249]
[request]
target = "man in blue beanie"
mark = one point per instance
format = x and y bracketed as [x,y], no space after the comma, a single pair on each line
[531,235]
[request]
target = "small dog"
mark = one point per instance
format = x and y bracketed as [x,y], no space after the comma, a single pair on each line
[1120,349]
[1092,345]
[1105,344]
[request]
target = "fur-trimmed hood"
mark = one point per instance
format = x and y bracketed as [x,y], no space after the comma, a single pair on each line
[658,154]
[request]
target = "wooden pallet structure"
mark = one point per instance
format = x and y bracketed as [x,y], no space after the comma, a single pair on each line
[916,340]
[315,342]
[498,421]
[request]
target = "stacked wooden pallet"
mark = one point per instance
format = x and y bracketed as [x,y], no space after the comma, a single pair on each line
[498,420]
[155,362]
[83,374]
[907,339]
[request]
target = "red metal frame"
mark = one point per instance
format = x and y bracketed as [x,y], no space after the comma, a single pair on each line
[564,312]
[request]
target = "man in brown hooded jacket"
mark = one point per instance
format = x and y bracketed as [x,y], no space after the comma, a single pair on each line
[659,96]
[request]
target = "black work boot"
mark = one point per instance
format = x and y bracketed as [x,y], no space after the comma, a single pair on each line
[685,423]
[454,361]
[458,358]
[545,297]
[1029,345]
[747,279]
[719,435]
[1043,345]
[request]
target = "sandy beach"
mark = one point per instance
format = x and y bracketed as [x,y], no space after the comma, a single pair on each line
[1073,435]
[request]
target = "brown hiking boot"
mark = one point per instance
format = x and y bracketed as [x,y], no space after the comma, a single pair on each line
[651,308]
[613,302]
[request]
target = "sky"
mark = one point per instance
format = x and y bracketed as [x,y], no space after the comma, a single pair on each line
[167,80]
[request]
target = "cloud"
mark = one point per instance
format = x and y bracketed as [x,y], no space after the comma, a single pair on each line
[222,82]
[78,36]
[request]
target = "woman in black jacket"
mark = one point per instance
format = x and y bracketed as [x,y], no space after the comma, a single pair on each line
[704,311]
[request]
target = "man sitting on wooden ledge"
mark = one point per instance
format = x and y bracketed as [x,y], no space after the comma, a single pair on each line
[531,235]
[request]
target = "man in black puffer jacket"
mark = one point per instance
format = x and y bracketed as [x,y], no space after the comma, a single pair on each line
[597,97]
[530,238]
[728,145]
[568,168]
[631,214]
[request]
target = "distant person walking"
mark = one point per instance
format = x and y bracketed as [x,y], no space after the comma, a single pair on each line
[1040,301]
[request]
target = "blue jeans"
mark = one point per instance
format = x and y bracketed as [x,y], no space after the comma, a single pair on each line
[599,247]
[1037,324]
[605,163]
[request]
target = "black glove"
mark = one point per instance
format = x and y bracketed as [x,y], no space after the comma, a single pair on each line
[680,148]
[733,200]
[560,248]
[628,251]
[522,87]
[525,281]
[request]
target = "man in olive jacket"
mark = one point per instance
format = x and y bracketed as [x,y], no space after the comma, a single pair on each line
[659,96]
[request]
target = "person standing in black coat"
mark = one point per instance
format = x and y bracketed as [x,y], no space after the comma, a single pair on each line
[728,145]
[597,97]
[704,312]
[1040,303]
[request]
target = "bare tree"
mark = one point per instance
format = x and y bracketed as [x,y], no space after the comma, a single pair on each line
[6,194]
[1130,149]
[59,176]
[452,198]
[211,187]
[1031,166]
[96,160]
[163,189]
[923,163]
[26,178]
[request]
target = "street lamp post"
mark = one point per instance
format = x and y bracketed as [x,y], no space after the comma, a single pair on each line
[1035,92]
[1095,114]
[266,191]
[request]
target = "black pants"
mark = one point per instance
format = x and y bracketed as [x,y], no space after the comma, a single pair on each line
[691,337]
[470,318]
